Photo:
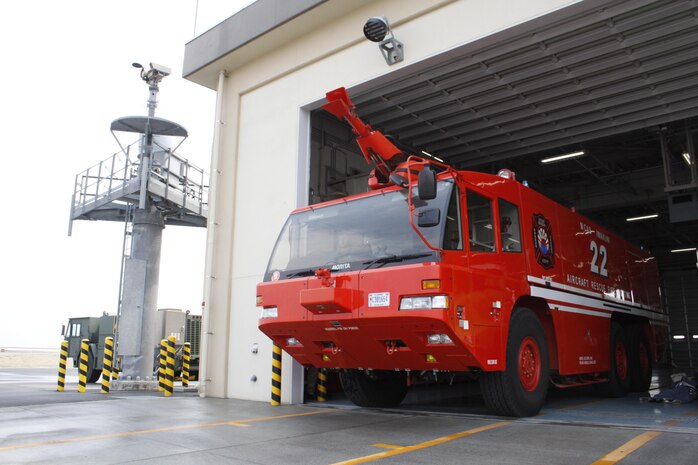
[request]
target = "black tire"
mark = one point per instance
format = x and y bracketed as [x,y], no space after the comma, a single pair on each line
[619,371]
[377,389]
[93,374]
[520,390]
[640,359]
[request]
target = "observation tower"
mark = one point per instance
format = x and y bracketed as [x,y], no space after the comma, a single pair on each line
[146,186]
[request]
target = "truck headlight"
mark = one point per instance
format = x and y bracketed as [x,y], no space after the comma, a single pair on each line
[270,312]
[427,302]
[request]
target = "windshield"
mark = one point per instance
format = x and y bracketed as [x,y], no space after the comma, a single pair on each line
[370,232]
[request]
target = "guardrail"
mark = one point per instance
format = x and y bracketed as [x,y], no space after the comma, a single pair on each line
[117,177]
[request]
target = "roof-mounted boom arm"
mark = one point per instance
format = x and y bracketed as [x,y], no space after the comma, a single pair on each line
[375,147]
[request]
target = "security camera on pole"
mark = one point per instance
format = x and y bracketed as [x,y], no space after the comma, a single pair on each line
[152,77]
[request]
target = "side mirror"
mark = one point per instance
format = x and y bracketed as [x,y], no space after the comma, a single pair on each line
[428,218]
[426,183]
[63,330]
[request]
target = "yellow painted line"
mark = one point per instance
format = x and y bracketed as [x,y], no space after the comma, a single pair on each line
[627,448]
[422,445]
[386,446]
[279,417]
[237,423]
[240,423]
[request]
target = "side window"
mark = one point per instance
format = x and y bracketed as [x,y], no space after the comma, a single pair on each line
[453,235]
[480,223]
[509,226]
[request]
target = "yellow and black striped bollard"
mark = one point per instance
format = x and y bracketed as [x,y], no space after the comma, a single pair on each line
[115,374]
[163,365]
[82,367]
[321,385]
[61,366]
[107,363]
[169,372]
[186,358]
[275,375]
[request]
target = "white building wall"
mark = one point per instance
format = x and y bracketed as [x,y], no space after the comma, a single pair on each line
[259,164]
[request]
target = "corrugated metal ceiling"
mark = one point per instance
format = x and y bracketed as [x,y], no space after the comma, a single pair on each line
[622,67]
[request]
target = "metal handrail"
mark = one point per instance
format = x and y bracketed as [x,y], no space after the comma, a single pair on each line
[103,179]
[106,180]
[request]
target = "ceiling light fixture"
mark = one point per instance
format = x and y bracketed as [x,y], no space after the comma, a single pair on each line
[432,156]
[641,218]
[566,156]
[687,157]
[690,249]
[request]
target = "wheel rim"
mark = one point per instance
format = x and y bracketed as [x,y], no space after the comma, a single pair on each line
[621,361]
[529,364]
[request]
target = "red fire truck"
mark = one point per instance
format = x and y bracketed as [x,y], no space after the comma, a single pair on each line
[442,270]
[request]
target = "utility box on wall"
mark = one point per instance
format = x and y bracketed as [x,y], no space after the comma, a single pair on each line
[683,207]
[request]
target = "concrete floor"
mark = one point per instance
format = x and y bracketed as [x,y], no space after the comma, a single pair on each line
[38,425]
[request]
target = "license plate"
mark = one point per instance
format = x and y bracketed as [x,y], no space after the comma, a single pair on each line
[379,299]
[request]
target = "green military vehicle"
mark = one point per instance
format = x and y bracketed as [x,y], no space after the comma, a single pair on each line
[184,326]
[96,329]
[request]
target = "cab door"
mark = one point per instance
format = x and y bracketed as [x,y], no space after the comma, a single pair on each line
[510,246]
[486,273]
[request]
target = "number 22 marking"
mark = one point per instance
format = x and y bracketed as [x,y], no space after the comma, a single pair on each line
[598,251]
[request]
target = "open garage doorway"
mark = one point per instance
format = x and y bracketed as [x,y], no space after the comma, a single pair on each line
[627,175]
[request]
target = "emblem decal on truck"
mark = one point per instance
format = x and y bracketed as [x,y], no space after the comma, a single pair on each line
[543,241]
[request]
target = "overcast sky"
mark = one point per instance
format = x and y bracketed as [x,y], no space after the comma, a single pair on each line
[66,75]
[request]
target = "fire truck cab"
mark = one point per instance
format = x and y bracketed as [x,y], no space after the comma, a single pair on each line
[444,270]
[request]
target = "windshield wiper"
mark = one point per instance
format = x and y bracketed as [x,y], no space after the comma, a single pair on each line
[394,259]
[308,272]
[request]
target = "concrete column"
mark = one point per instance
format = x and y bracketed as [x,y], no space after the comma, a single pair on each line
[214,363]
